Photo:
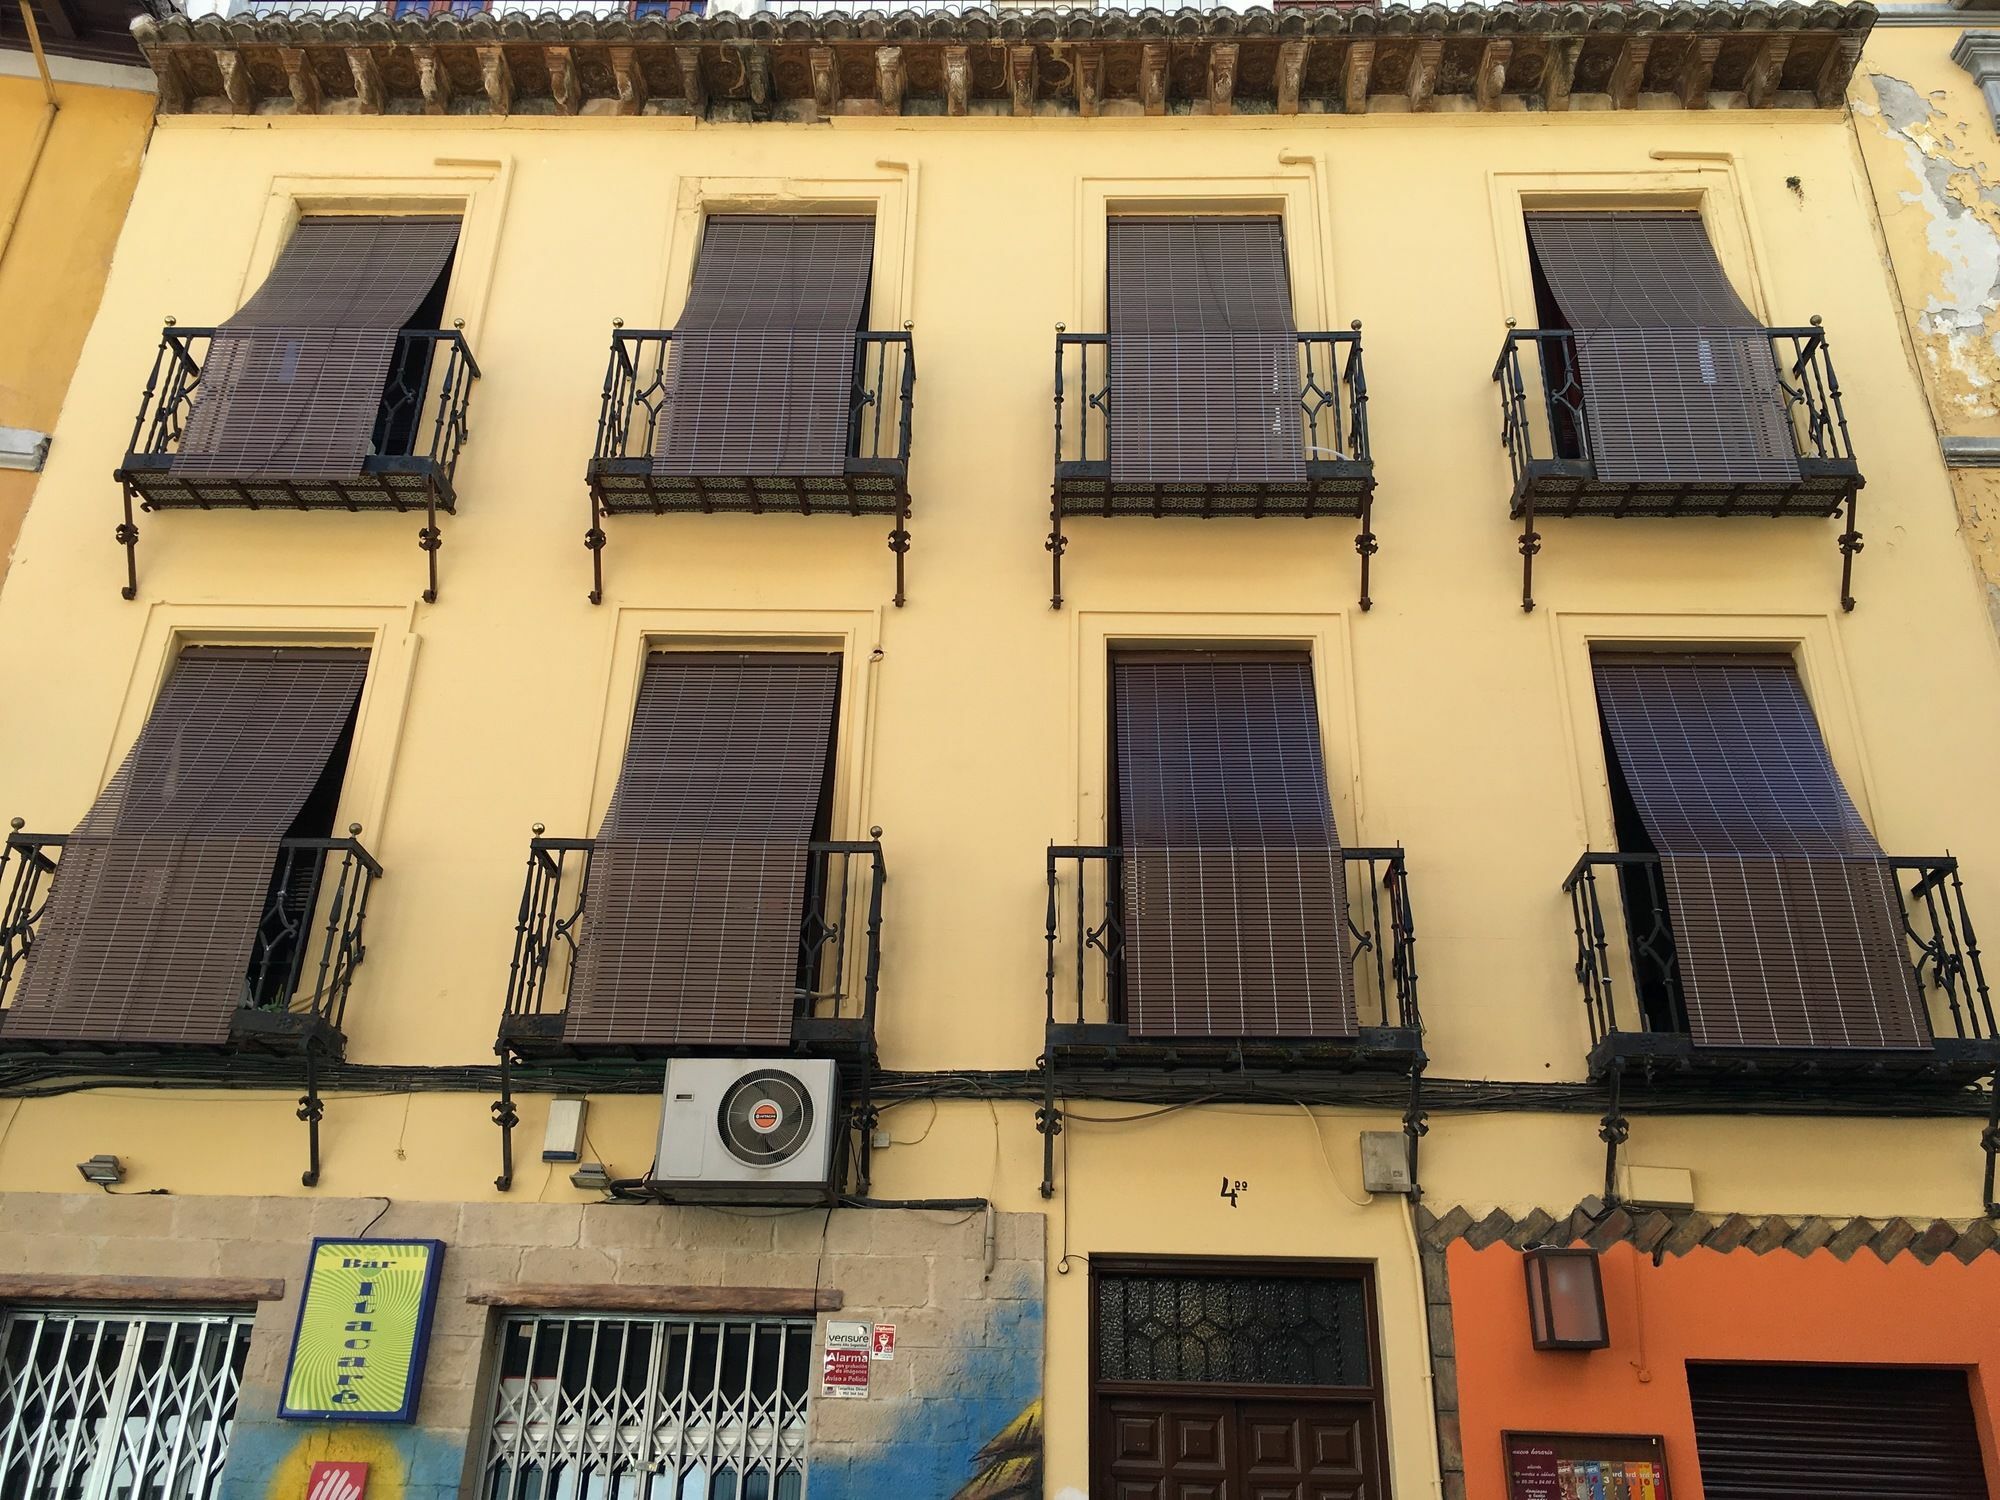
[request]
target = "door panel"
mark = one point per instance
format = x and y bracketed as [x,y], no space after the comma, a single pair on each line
[1169,1449]
[1175,1448]
[1308,1450]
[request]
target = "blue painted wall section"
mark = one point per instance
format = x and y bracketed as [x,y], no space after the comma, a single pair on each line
[270,1459]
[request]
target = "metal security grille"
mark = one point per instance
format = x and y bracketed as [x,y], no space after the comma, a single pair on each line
[126,1406]
[1679,380]
[1786,921]
[1204,352]
[649,1409]
[1258,1330]
[1235,890]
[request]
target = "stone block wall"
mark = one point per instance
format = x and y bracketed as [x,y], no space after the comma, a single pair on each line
[958,1409]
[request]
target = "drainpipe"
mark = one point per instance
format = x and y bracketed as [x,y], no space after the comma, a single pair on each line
[42,130]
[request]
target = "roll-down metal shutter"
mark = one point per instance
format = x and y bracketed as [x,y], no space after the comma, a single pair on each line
[763,375]
[697,878]
[1679,380]
[1786,919]
[161,888]
[1235,891]
[1204,353]
[292,383]
[1820,1432]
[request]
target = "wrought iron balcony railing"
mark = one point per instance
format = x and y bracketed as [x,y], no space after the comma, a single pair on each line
[1339,474]
[1636,946]
[420,426]
[301,963]
[839,952]
[634,420]
[1545,429]
[1086,981]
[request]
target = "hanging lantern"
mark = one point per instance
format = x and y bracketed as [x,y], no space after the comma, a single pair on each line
[1565,1299]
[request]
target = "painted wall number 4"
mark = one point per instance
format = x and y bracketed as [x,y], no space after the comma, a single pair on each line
[1231,1187]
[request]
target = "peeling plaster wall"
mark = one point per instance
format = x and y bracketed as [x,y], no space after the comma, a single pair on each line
[1932,162]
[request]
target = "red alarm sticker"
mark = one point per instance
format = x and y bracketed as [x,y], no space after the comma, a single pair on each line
[885,1341]
[337,1481]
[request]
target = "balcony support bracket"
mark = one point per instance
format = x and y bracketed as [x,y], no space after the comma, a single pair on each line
[1366,545]
[311,1109]
[429,539]
[1989,1142]
[127,536]
[1613,1131]
[593,540]
[1531,543]
[1416,1127]
[1049,1123]
[1850,543]
[506,1117]
[1057,544]
[899,543]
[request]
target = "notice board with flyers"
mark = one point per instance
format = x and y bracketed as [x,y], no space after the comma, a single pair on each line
[1585,1466]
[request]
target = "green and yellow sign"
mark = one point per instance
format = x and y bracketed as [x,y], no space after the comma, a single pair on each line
[364,1324]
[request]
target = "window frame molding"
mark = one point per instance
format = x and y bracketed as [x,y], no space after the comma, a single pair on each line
[1709,185]
[383,630]
[1810,640]
[474,191]
[1097,634]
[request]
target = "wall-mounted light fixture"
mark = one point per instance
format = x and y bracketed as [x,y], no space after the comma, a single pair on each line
[591,1177]
[1565,1299]
[105,1171]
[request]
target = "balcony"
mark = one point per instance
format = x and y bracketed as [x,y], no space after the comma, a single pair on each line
[1339,474]
[633,423]
[420,426]
[1544,428]
[296,977]
[1630,975]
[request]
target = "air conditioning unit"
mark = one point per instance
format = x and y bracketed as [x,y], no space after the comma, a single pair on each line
[733,1127]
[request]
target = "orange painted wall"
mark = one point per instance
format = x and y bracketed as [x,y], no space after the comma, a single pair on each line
[1763,1309]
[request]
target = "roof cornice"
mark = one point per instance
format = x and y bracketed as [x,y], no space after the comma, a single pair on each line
[1331,59]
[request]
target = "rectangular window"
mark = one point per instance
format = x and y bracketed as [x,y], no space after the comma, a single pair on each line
[314,374]
[1204,352]
[692,931]
[1675,375]
[1776,921]
[1234,886]
[102,1405]
[178,900]
[763,362]
[702,1408]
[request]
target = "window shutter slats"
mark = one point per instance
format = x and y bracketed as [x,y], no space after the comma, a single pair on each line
[1679,380]
[291,384]
[161,887]
[762,372]
[1204,353]
[1786,919]
[697,878]
[1235,892]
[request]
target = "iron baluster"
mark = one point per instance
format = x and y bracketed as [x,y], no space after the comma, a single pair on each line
[871,980]
[1973,965]
[1057,541]
[1082,940]
[1049,982]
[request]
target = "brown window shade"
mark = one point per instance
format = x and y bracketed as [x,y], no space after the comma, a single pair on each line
[1785,917]
[763,357]
[161,887]
[697,879]
[1204,353]
[1679,381]
[1235,892]
[291,385]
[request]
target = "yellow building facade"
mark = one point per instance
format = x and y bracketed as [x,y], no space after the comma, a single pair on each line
[1770,1213]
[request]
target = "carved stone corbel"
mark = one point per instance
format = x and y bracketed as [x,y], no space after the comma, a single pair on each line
[173,85]
[367,79]
[301,79]
[1559,72]
[825,77]
[1291,73]
[433,80]
[1831,86]
[1153,77]
[1021,79]
[1424,65]
[235,81]
[1700,70]
[1629,72]
[1222,77]
[497,78]
[957,79]
[1354,71]
[1088,62]
[757,80]
[563,87]
[890,79]
[694,85]
[1490,83]
[630,78]
[1760,84]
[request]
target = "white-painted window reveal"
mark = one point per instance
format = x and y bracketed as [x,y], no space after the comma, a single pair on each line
[649,1408]
[102,1405]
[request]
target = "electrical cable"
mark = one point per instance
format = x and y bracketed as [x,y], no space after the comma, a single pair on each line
[1319,1135]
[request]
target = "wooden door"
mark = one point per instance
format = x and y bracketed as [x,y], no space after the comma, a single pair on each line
[1185,1448]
